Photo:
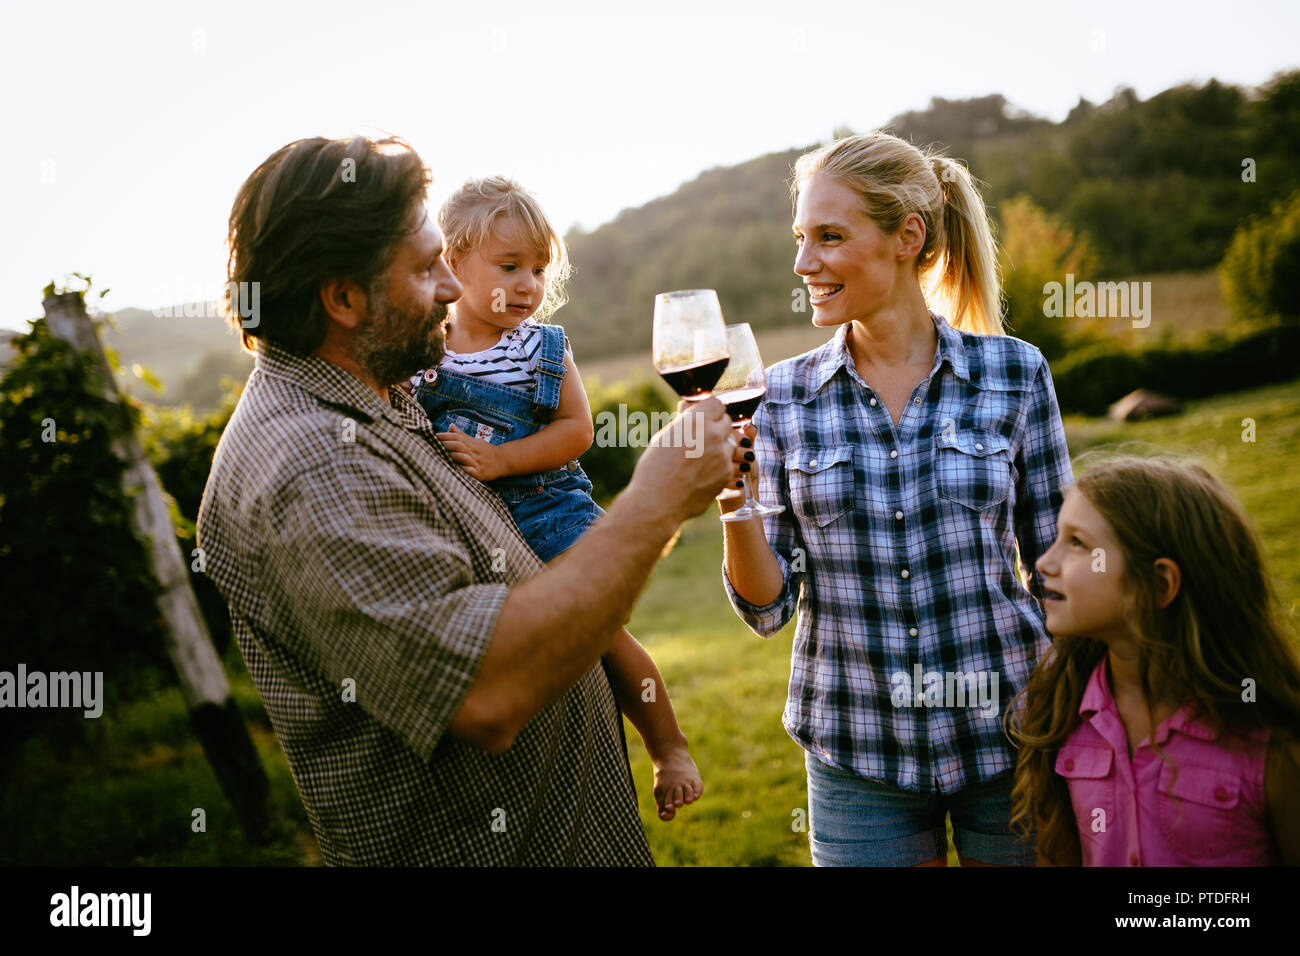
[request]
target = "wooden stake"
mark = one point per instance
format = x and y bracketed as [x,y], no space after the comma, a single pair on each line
[213,713]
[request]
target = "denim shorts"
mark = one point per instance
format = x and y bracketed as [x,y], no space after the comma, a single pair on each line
[554,513]
[854,821]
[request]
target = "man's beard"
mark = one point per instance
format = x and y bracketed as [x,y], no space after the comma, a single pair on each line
[393,344]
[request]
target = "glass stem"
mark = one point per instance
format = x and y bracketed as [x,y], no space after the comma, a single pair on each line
[750,500]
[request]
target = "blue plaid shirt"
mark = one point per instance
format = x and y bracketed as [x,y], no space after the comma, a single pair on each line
[898,550]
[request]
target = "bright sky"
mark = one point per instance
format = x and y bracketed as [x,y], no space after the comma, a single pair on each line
[131,126]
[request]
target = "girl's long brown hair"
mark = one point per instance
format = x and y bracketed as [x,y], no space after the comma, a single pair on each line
[1222,629]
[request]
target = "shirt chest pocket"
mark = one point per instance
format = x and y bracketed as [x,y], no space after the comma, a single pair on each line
[1199,811]
[822,484]
[1088,773]
[972,467]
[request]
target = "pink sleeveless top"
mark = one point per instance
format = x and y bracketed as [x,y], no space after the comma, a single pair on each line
[1139,813]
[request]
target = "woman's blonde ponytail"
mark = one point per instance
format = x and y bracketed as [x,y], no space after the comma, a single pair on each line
[965,275]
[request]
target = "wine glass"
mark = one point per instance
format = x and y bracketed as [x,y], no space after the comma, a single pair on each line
[690,341]
[741,387]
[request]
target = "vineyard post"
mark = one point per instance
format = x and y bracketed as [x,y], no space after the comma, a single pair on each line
[214,714]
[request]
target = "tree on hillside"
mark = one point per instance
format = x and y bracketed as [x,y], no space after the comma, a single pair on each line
[959,124]
[1037,249]
[1279,109]
[1156,185]
[1260,274]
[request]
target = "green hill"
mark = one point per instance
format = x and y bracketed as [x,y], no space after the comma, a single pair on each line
[1157,186]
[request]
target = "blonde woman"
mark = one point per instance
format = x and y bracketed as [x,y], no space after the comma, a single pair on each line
[915,452]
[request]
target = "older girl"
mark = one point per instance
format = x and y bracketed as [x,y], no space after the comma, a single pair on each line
[1163,729]
[919,454]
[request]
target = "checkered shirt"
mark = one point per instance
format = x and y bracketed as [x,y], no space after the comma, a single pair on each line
[898,548]
[364,571]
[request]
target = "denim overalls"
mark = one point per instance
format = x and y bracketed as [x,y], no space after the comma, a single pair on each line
[551,508]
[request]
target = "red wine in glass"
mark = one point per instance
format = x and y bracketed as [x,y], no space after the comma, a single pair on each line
[689,344]
[741,389]
[695,381]
[741,402]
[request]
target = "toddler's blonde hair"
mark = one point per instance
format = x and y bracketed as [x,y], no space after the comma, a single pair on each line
[470,214]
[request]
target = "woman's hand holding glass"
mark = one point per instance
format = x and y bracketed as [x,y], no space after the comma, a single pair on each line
[741,389]
[733,497]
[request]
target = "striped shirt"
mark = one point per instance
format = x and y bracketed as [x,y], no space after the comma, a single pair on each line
[897,548]
[364,571]
[511,361]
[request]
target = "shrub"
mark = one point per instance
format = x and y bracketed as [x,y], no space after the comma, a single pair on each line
[1037,248]
[1088,381]
[1260,273]
[609,465]
[75,581]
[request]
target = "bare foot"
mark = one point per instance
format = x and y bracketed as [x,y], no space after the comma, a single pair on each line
[677,782]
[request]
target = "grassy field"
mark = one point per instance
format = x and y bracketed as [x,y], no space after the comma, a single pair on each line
[130,800]
[729,686]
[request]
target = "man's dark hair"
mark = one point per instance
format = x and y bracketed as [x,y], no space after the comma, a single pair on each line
[318,209]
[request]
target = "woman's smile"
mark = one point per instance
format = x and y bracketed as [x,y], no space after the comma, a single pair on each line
[820,294]
[835,239]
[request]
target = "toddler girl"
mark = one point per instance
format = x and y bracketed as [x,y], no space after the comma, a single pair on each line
[510,408]
[1160,727]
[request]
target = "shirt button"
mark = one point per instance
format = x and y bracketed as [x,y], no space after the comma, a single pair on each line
[898,515]
[979,447]
[1069,765]
[906,573]
[894,453]
[873,401]
[916,401]
[912,631]
[813,463]
[1221,794]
